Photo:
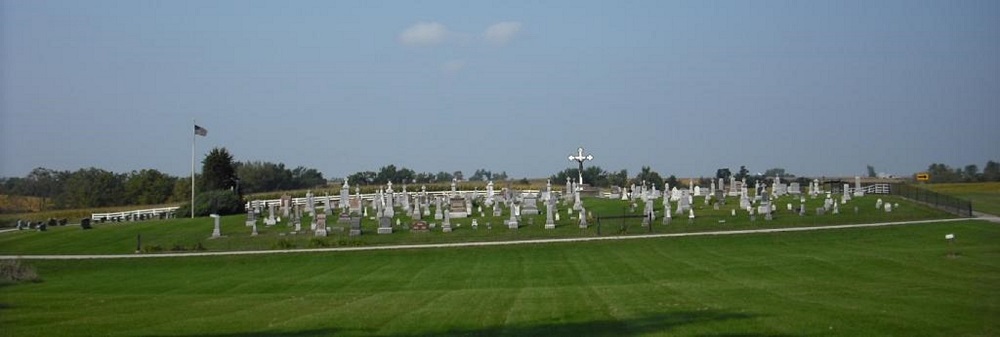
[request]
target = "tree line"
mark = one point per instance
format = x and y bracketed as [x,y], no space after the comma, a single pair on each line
[941,173]
[95,187]
[403,175]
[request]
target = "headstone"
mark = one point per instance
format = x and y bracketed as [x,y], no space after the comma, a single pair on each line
[438,211]
[583,218]
[355,227]
[419,226]
[385,225]
[253,232]
[549,218]
[345,196]
[84,223]
[326,204]
[529,206]
[489,193]
[310,203]
[251,218]
[217,232]
[858,191]
[458,208]
[320,222]
[512,222]
[888,207]
[270,221]
[286,205]
[446,225]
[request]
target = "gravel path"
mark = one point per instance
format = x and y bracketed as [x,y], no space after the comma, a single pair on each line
[479,244]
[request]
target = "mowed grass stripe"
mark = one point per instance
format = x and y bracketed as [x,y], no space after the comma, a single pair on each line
[869,281]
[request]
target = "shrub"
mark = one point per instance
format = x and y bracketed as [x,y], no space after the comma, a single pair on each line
[221,202]
[177,248]
[317,243]
[198,247]
[152,249]
[284,244]
[12,271]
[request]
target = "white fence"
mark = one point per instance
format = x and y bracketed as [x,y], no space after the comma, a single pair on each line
[153,213]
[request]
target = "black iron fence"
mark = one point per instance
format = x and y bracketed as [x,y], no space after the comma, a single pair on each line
[940,201]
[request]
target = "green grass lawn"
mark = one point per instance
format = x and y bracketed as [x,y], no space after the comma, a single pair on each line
[985,197]
[183,234]
[892,281]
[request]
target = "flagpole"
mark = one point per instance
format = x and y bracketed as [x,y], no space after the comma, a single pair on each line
[193,138]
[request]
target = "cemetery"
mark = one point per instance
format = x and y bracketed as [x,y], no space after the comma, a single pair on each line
[830,282]
[310,221]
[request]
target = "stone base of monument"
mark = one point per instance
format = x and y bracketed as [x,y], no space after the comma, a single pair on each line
[550,226]
[457,215]
[387,230]
[446,229]
[321,232]
[354,232]
[512,225]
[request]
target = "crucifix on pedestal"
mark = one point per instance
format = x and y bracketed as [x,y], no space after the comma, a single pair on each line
[580,158]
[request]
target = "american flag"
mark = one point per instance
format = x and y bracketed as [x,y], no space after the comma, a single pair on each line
[200,131]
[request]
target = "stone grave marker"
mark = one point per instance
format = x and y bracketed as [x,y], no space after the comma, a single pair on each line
[419,226]
[320,220]
[385,225]
[217,232]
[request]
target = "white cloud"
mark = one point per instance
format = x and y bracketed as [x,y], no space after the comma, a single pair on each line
[453,66]
[502,33]
[424,34]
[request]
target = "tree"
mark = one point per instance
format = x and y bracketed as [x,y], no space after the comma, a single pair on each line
[457,175]
[443,177]
[93,187]
[672,180]
[871,172]
[218,171]
[618,179]
[646,174]
[971,173]
[256,177]
[941,173]
[362,178]
[723,173]
[992,171]
[481,175]
[148,187]
[778,172]
[744,173]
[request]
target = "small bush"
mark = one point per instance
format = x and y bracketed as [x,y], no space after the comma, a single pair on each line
[152,249]
[198,247]
[12,271]
[177,248]
[284,244]
[318,243]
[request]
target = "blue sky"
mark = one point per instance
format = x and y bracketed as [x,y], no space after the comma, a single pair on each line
[817,88]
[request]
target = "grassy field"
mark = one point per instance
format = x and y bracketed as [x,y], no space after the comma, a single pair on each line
[985,197]
[894,281]
[185,234]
